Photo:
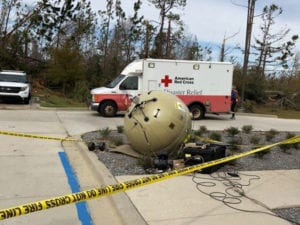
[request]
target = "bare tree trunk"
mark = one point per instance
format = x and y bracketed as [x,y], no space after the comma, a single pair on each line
[250,16]
[263,52]
[222,53]
[147,38]
[264,61]
[168,41]
[160,37]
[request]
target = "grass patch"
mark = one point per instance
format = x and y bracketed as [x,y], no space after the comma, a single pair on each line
[277,111]
[50,98]
[57,101]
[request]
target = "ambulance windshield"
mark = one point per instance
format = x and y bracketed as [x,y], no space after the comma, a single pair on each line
[115,81]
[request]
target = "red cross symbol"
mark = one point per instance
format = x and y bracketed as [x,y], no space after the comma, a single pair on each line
[166,81]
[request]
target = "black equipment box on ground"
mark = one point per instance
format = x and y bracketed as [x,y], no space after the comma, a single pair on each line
[204,153]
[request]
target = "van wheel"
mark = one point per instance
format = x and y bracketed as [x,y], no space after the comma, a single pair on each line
[197,111]
[108,109]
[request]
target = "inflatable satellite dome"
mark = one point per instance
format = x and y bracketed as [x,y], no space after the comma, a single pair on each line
[157,122]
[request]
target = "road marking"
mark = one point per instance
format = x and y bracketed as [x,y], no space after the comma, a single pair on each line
[82,210]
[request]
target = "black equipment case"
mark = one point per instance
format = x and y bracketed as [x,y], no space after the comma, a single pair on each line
[204,153]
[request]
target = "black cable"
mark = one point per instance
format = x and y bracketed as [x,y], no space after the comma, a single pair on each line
[233,192]
[141,106]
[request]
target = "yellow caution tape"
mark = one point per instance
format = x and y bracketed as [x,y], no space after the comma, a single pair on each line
[205,139]
[123,186]
[36,136]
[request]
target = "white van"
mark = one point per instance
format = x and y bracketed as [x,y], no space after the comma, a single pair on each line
[205,87]
[14,84]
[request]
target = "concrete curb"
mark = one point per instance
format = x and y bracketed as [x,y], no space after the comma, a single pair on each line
[121,203]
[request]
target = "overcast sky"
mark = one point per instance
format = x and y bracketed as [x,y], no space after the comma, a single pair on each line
[210,20]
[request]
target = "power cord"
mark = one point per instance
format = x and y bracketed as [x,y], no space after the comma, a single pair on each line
[233,192]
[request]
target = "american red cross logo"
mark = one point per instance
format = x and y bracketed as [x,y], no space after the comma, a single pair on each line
[166,81]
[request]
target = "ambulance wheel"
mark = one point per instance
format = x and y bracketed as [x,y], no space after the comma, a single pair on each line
[108,109]
[197,111]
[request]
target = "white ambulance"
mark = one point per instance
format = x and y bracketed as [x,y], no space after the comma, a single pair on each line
[205,87]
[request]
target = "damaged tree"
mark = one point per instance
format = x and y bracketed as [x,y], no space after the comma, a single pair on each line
[271,48]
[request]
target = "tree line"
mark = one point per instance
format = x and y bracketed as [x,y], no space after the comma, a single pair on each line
[67,45]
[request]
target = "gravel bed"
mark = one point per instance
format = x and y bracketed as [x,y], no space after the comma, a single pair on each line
[274,159]
[291,214]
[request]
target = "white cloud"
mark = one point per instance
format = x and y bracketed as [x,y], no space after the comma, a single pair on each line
[211,20]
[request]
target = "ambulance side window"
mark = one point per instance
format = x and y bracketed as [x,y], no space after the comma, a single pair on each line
[130,83]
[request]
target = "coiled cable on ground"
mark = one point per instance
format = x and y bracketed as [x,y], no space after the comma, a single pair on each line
[233,193]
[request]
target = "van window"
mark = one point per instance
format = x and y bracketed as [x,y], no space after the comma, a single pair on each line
[115,81]
[130,83]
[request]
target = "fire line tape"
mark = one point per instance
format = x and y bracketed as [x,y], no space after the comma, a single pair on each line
[37,136]
[124,186]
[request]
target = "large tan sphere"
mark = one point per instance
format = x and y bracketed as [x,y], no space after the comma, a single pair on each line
[157,123]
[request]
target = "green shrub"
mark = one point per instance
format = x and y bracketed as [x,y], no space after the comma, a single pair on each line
[255,139]
[235,143]
[232,131]
[105,132]
[117,141]
[261,154]
[215,136]
[81,91]
[285,148]
[289,135]
[271,134]
[247,128]
[202,130]
[120,129]
[248,106]
[146,162]
[196,133]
